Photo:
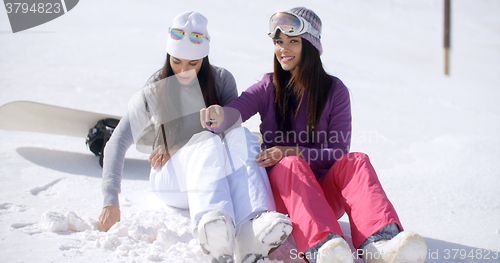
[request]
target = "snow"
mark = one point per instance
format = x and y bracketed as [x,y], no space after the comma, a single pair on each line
[433,139]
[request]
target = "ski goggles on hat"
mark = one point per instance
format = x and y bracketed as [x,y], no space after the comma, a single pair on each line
[196,38]
[291,25]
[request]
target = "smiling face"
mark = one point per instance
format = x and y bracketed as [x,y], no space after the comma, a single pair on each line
[288,50]
[185,70]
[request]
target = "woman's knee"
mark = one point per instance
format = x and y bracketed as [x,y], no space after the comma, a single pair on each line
[352,165]
[242,133]
[202,136]
[348,162]
[293,161]
[203,140]
[291,165]
[355,157]
[242,138]
[237,130]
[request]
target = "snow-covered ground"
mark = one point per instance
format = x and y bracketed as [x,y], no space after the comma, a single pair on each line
[433,139]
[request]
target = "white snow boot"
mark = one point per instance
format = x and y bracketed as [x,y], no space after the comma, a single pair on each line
[406,247]
[335,250]
[260,236]
[215,234]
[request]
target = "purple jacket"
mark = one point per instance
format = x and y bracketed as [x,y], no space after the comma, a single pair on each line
[332,135]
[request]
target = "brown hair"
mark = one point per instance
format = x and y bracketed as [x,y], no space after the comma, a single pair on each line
[309,77]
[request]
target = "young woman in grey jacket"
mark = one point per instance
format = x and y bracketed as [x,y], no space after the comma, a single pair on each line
[213,175]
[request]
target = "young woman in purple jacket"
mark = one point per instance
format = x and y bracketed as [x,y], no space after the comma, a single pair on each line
[306,132]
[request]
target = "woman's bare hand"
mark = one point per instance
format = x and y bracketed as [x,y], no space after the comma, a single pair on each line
[212,116]
[159,157]
[272,156]
[109,216]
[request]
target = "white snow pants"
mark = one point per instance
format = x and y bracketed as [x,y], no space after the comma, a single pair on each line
[209,173]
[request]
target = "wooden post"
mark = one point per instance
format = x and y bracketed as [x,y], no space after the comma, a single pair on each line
[447,15]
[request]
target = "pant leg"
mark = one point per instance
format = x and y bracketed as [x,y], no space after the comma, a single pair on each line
[298,194]
[164,185]
[198,167]
[352,184]
[249,184]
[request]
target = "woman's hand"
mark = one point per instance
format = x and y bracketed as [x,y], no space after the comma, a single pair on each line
[159,157]
[272,156]
[211,116]
[109,216]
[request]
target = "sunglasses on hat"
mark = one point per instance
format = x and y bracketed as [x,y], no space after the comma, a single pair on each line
[291,25]
[196,38]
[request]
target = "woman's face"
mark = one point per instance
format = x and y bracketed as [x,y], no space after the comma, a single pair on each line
[288,50]
[185,70]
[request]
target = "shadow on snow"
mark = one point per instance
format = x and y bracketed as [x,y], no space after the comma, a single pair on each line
[81,164]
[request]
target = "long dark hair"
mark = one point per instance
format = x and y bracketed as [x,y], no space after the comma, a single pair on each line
[205,78]
[309,77]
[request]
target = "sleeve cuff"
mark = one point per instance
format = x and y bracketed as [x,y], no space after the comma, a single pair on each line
[111,198]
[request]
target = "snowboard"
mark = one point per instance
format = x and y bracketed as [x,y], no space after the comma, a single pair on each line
[44,118]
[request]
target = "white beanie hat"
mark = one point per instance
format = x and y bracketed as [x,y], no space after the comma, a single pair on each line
[189,22]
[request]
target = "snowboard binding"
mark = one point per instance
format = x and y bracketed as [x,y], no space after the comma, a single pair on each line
[99,135]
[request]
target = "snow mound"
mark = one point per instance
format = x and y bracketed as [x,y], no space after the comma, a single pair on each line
[75,223]
[160,235]
[55,221]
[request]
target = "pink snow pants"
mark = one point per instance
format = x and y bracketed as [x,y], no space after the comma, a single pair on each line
[314,206]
